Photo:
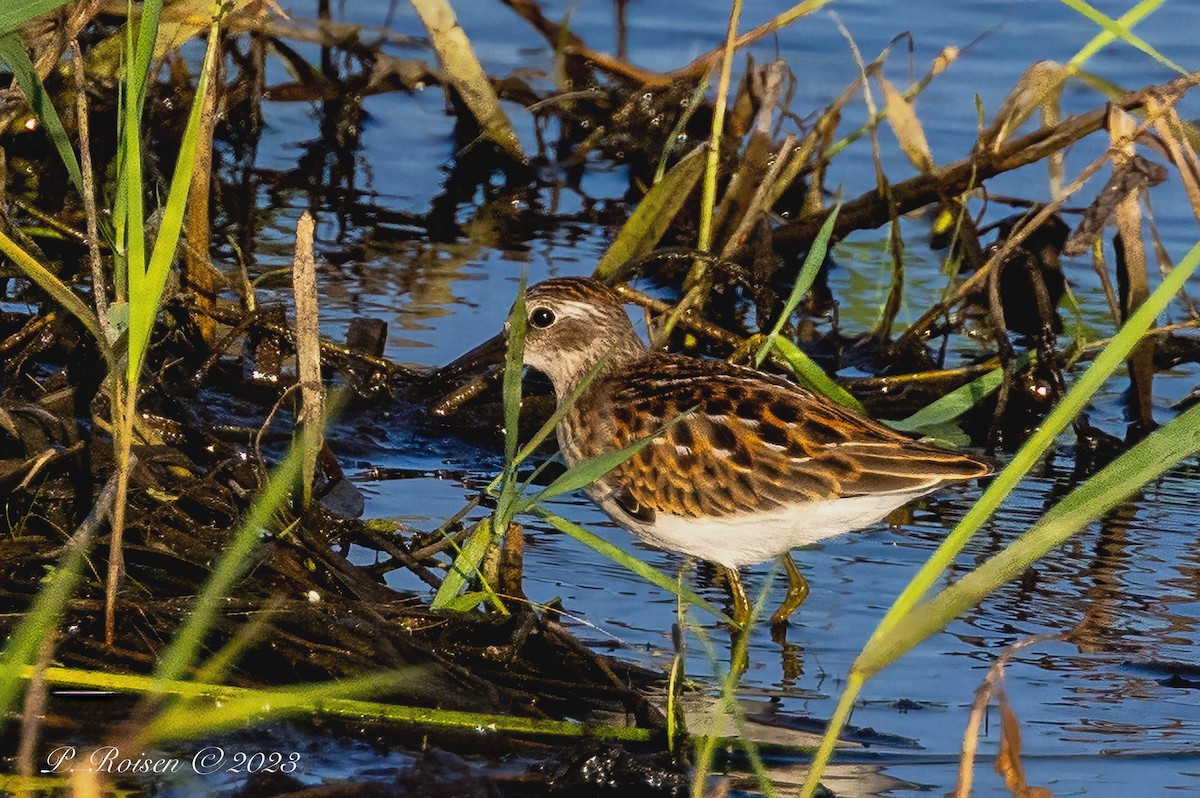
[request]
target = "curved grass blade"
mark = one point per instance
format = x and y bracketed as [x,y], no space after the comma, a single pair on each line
[582,474]
[708,190]
[48,605]
[949,407]
[466,567]
[12,52]
[145,294]
[181,652]
[800,363]
[58,291]
[466,564]
[15,13]
[514,367]
[467,601]
[129,212]
[804,280]
[814,376]
[342,707]
[628,561]
[1109,359]
[1159,452]
[551,423]
[43,616]
[1040,441]
[728,705]
[695,103]
[514,364]
[653,215]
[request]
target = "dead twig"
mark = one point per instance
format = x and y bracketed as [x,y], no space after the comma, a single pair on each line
[991,683]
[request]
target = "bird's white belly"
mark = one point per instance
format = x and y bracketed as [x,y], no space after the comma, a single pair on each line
[738,540]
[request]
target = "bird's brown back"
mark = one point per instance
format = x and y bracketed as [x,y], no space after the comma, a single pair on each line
[732,440]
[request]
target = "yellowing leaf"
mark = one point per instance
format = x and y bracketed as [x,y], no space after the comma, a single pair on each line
[906,126]
[654,214]
[1008,759]
[466,74]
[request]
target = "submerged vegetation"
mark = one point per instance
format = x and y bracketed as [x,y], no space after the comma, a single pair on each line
[179,528]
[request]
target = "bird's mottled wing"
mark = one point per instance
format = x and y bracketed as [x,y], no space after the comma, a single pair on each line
[731,441]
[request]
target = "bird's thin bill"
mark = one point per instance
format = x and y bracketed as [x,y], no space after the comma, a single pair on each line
[484,357]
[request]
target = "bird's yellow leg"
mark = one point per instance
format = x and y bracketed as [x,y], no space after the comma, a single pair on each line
[796,593]
[741,605]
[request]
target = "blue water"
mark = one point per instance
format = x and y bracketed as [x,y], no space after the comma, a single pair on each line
[1097,719]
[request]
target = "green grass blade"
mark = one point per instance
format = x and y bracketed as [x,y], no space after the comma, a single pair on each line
[1120,29]
[57,290]
[729,707]
[422,717]
[628,561]
[12,52]
[800,363]
[46,609]
[190,719]
[43,616]
[221,662]
[814,376]
[1109,359]
[1159,452]
[678,133]
[549,425]
[653,215]
[514,365]
[129,213]
[949,407]
[582,474]
[563,408]
[514,368]
[15,13]
[1040,441]
[837,721]
[181,652]
[144,303]
[804,280]
[140,49]
[466,602]
[466,567]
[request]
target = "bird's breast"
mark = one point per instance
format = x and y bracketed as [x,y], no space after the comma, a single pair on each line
[750,538]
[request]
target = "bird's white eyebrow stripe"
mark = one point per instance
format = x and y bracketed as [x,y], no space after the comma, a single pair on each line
[573,309]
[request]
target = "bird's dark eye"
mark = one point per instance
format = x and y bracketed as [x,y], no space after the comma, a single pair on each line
[541,318]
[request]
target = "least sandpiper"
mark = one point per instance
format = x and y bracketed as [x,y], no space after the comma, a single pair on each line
[744,466]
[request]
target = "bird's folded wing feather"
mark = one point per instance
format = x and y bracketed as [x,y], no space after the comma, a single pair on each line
[729,441]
